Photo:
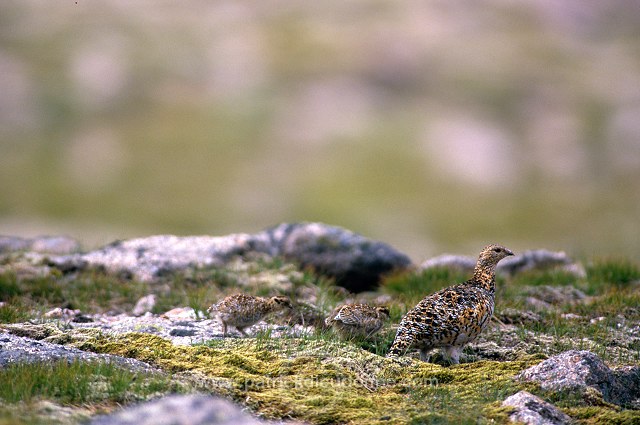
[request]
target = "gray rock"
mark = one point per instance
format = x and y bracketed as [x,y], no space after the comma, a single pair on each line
[555,295]
[356,262]
[180,410]
[144,305]
[510,316]
[454,262]
[540,259]
[577,371]
[154,256]
[58,245]
[13,243]
[532,410]
[15,349]
[529,260]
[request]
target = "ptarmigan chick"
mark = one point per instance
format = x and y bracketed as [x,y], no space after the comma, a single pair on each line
[353,320]
[454,316]
[241,310]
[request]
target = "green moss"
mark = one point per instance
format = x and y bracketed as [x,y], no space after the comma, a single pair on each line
[77,382]
[321,381]
[603,415]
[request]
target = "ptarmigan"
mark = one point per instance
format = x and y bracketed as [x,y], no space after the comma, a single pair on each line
[241,310]
[357,320]
[454,316]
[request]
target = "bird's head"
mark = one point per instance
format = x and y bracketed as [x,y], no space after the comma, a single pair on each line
[383,312]
[491,254]
[281,302]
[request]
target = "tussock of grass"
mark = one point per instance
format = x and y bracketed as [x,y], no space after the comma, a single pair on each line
[77,382]
[551,277]
[13,312]
[620,273]
[88,291]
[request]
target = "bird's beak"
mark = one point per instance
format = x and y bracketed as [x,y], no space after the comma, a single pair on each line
[509,252]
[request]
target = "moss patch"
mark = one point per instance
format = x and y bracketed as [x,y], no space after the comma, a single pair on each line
[321,381]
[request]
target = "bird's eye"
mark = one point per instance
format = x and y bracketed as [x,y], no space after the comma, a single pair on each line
[497,249]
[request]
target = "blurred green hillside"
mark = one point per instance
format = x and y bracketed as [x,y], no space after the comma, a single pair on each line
[432,125]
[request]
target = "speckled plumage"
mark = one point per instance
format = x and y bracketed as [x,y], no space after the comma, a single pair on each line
[352,320]
[454,316]
[241,310]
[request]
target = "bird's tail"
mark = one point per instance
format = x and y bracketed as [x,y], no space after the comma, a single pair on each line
[401,344]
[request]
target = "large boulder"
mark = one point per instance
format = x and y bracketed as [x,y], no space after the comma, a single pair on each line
[354,261]
[19,349]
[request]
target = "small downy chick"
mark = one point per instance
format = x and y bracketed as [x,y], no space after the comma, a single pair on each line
[357,320]
[242,310]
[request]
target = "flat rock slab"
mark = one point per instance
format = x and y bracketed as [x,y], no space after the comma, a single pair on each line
[532,410]
[577,371]
[17,349]
[179,326]
[181,410]
[356,262]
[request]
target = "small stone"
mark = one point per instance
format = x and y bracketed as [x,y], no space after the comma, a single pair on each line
[532,410]
[571,316]
[179,313]
[182,332]
[144,305]
[62,313]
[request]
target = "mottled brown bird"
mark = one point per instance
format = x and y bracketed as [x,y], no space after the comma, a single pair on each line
[454,316]
[241,310]
[357,320]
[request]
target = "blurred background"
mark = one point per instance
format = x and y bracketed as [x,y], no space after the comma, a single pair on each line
[435,126]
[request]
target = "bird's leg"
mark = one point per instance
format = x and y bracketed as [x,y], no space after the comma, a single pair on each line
[424,354]
[452,353]
[242,331]
[224,330]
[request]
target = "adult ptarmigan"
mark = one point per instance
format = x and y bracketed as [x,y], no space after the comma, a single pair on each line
[454,316]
